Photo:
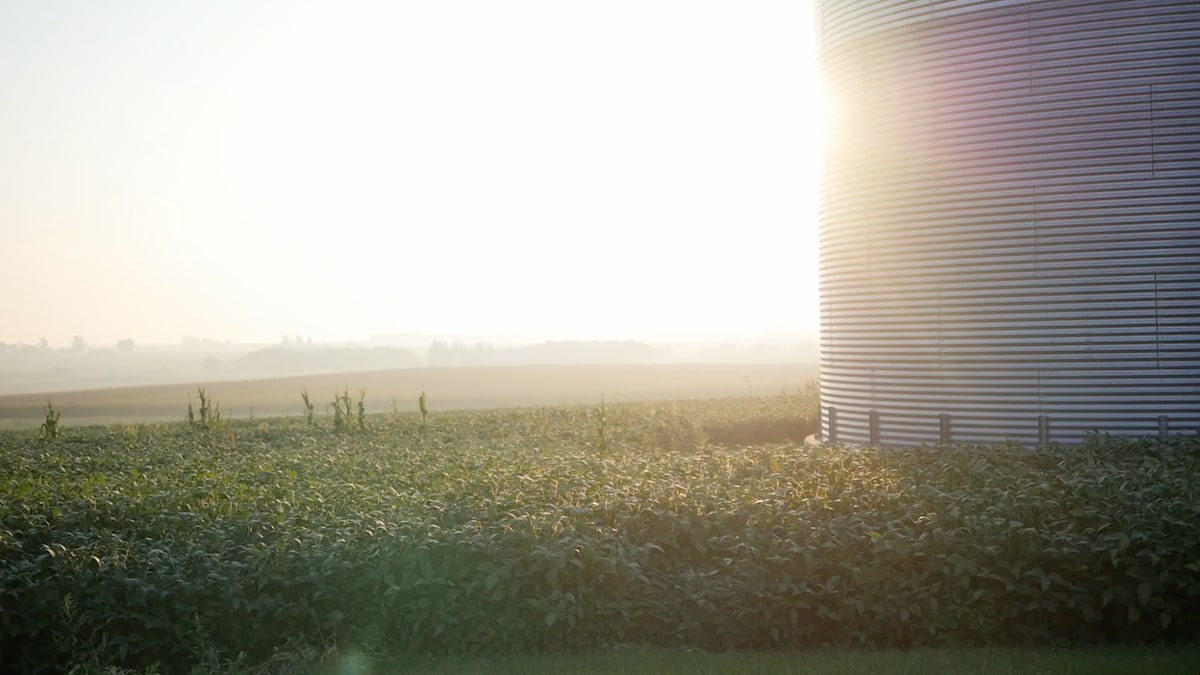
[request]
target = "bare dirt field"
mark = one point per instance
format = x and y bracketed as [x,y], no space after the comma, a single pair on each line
[387,390]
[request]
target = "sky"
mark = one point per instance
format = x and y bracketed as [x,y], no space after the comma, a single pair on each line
[628,169]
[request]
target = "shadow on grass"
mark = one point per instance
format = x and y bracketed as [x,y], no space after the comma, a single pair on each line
[983,661]
[761,432]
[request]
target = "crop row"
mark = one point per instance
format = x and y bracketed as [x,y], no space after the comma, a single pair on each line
[701,524]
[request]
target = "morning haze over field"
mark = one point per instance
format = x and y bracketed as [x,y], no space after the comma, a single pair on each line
[231,191]
[240,171]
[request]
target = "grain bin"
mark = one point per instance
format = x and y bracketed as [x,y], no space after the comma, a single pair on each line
[1010,220]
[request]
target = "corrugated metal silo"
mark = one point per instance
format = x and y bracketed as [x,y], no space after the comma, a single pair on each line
[1010,220]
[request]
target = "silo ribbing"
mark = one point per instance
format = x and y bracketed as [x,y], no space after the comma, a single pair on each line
[1010,220]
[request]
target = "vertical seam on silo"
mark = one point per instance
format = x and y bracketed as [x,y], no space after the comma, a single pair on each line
[1037,263]
[1157,330]
[1041,402]
[941,338]
[1153,164]
[872,399]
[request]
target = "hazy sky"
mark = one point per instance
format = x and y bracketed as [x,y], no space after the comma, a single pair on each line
[239,170]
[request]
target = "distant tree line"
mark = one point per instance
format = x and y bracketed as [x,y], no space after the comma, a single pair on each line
[275,361]
[461,354]
[78,344]
[445,354]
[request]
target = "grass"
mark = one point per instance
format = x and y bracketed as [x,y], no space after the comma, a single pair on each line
[983,661]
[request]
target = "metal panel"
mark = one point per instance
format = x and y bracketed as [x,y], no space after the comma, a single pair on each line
[1010,219]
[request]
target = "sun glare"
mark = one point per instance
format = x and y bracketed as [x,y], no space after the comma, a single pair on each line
[629,170]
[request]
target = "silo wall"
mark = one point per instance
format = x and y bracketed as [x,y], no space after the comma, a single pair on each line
[1010,220]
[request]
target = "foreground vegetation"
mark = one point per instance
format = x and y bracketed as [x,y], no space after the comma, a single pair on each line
[277,545]
[1108,660]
